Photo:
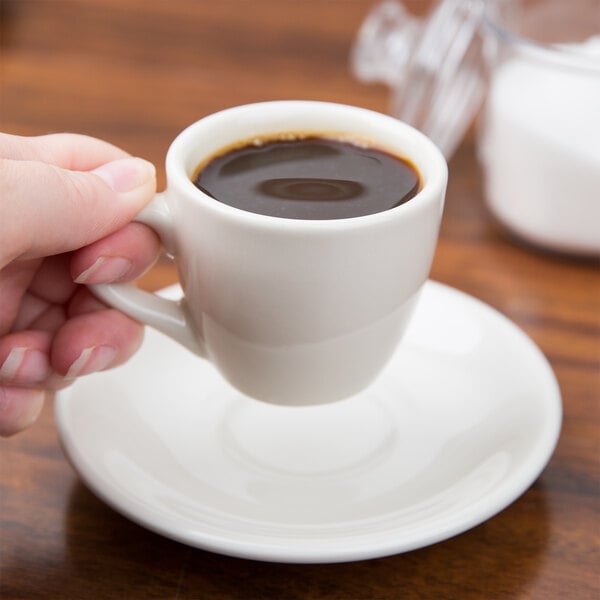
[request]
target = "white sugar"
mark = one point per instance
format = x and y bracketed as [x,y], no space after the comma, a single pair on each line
[540,147]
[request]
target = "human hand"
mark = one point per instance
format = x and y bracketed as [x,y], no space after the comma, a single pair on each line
[66,205]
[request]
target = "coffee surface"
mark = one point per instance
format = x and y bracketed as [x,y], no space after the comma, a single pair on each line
[308,178]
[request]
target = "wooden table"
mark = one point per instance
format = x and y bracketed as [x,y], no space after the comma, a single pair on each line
[136,72]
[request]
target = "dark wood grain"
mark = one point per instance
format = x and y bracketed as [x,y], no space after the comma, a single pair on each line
[136,72]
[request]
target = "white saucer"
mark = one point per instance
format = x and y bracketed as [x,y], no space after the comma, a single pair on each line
[459,425]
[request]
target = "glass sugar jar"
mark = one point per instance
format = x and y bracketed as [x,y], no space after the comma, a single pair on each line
[531,71]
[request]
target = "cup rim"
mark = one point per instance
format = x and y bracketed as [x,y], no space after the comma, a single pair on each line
[432,188]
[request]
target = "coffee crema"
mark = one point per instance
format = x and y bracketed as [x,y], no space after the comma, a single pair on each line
[308,177]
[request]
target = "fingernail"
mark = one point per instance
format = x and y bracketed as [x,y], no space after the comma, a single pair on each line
[126,174]
[19,408]
[24,365]
[91,360]
[105,270]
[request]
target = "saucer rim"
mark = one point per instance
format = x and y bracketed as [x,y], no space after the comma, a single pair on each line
[273,549]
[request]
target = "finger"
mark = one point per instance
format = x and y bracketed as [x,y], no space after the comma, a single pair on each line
[25,362]
[121,256]
[67,150]
[19,408]
[53,210]
[24,359]
[53,282]
[40,305]
[50,320]
[84,302]
[93,342]
[14,281]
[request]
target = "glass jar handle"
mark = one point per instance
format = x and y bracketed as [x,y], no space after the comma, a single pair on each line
[434,65]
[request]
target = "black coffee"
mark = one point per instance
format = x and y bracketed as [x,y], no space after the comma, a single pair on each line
[308,178]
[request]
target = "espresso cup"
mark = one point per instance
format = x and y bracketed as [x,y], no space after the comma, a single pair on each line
[290,311]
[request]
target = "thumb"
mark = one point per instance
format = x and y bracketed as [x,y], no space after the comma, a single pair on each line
[49,210]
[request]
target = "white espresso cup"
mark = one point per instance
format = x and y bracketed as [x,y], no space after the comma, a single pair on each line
[290,311]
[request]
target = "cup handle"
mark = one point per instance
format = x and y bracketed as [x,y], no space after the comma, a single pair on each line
[167,316]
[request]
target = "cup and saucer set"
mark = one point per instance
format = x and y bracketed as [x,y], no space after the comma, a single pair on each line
[461,415]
